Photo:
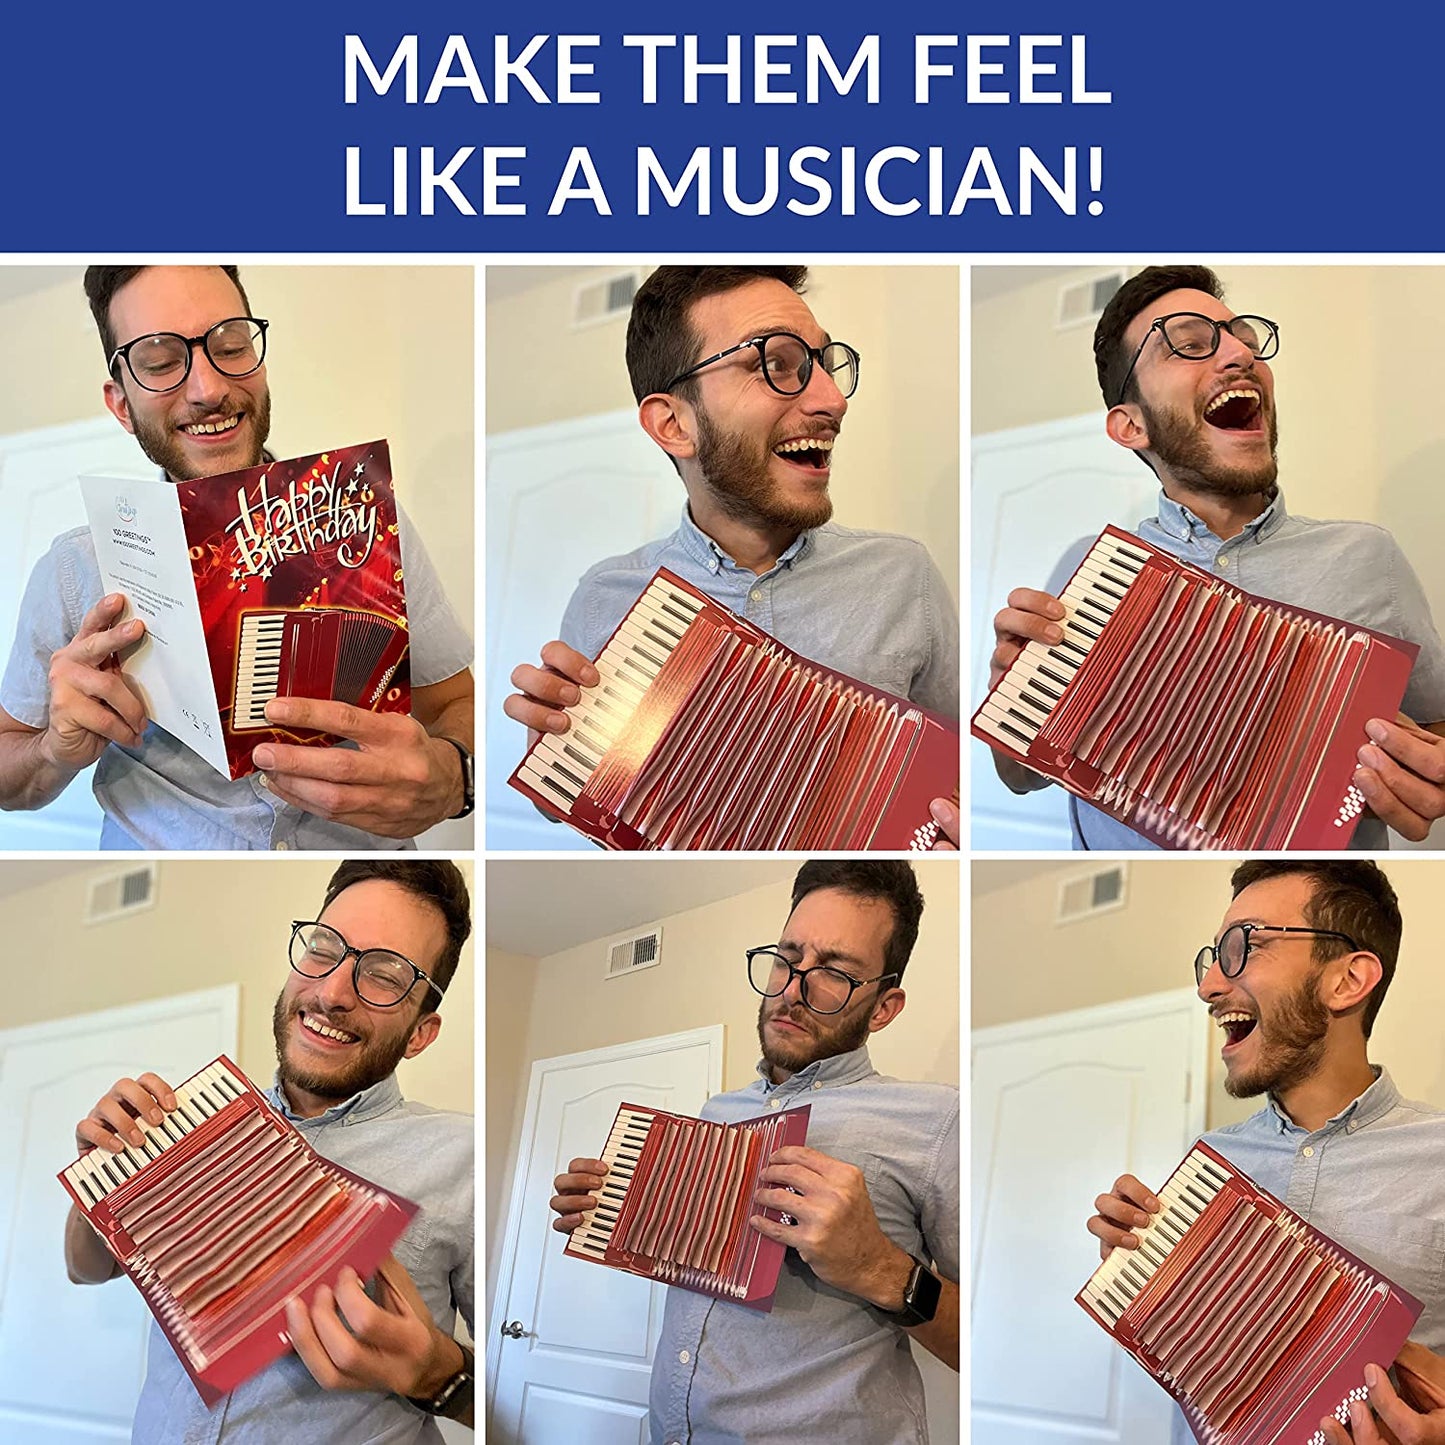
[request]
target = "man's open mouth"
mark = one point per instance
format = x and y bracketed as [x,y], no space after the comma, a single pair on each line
[1238,409]
[814,452]
[314,1025]
[213,428]
[1237,1027]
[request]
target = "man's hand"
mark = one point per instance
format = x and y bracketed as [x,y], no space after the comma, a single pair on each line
[1029,617]
[112,1123]
[542,692]
[576,1192]
[1387,1420]
[1126,1208]
[397,782]
[92,703]
[1402,775]
[837,1233]
[350,1342]
[945,814]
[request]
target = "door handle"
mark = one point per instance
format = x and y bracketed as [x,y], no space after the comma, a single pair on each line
[513,1330]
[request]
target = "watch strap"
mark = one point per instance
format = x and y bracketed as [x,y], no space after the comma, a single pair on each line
[456,1396]
[469,789]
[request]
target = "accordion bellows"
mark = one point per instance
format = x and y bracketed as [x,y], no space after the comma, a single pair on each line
[675,1203]
[225,1214]
[1193,712]
[706,733]
[1258,1325]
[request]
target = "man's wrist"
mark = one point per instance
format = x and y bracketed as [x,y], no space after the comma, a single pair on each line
[443,1363]
[461,795]
[890,1280]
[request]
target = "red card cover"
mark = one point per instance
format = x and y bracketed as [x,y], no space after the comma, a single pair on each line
[311,533]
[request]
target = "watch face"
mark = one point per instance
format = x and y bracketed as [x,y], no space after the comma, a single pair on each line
[923,1293]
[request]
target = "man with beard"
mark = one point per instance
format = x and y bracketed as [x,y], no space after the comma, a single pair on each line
[365,985]
[64,705]
[873,1197]
[744,391]
[1295,979]
[1189,389]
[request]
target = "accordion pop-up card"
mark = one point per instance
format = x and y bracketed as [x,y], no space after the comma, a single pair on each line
[222,1214]
[284,580]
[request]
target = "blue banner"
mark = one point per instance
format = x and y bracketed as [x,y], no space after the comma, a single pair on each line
[441,128]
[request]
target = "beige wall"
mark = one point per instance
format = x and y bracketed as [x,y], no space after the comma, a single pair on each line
[898,465]
[1362,431]
[355,352]
[563,1004]
[214,922]
[1148,946]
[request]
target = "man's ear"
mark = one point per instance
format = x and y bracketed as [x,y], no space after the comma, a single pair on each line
[1358,976]
[118,404]
[1126,428]
[888,1007]
[423,1035]
[671,423]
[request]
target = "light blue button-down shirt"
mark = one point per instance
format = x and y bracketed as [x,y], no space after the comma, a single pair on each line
[1372,1179]
[423,1154]
[823,1365]
[871,605]
[161,794]
[1351,570]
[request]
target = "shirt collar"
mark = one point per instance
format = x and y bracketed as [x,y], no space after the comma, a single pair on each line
[1373,1104]
[826,1073]
[703,550]
[368,1104]
[1178,521]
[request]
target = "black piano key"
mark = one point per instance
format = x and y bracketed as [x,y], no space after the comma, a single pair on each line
[1079,627]
[1053,676]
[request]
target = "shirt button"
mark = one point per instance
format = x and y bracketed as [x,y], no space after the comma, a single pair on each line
[282,846]
[1308,1151]
[775,1103]
[818,1085]
[756,594]
[683,1357]
[1221,563]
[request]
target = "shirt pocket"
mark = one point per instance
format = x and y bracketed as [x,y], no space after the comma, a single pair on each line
[1407,1250]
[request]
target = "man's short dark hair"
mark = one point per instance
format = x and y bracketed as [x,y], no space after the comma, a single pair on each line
[102,282]
[661,339]
[891,880]
[1111,356]
[1351,896]
[434,880]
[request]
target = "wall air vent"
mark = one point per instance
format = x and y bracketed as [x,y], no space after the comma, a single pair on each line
[1082,302]
[602,300]
[1086,895]
[116,894]
[638,950]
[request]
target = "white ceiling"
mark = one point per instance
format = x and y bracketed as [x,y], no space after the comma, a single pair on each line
[989,282]
[543,906]
[18,281]
[988,875]
[18,875]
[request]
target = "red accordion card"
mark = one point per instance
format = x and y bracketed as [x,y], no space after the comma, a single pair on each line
[1198,714]
[222,1215]
[284,580]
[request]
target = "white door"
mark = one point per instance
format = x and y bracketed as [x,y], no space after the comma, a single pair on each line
[39,498]
[1035,491]
[580,1367]
[1061,1107]
[72,1357]
[559,498]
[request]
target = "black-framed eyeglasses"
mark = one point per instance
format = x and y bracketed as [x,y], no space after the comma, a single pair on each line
[823,989]
[786,362]
[162,361]
[379,976]
[1232,950]
[1196,338]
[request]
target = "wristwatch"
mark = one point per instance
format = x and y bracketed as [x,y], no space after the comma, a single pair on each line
[454,1398]
[469,786]
[920,1295]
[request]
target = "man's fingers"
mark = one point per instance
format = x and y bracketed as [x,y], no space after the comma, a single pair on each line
[1109,1235]
[339,719]
[541,685]
[1013,623]
[1131,1191]
[570,663]
[79,711]
[1412,747]
[93,648]
[1385,789]
[536,717]
[1029,599]
[329,765]
[307,1343]
[1401,1419]
[102,615]
[772,1228]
